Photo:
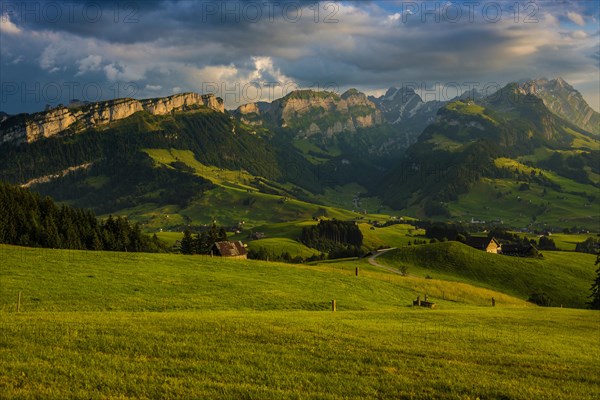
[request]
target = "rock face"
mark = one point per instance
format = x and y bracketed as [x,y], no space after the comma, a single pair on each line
[27,128]
[405,109]
[404,106]
[565,101]
[312,113]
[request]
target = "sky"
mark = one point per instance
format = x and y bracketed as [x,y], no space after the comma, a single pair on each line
[245,51]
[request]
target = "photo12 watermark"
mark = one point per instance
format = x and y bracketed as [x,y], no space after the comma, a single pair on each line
[64,92]
[479,91]
[238,92]
[469,12]
[325,12]
[71,12]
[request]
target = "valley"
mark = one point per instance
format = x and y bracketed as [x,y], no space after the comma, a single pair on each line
[313,184]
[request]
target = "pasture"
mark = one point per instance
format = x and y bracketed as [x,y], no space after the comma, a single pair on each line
[116,325]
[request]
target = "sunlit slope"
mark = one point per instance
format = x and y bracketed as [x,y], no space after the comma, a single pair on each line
[53,280]
[239,196]
[565,276]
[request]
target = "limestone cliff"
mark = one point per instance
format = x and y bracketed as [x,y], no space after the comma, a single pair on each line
[31,127]
[565,101]
[311,113]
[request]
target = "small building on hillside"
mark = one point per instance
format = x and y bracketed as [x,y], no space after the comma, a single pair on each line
[235,250]
[485,244]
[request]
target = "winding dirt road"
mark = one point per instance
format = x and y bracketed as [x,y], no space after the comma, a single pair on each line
[376,264]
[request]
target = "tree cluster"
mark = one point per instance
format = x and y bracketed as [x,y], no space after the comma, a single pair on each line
[27,219]
[202,242]
[545,243]
[444,231]
[338,238]
[590,245]
[504,237]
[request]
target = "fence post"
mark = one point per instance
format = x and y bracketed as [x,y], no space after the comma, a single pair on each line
[333,305]
[418,300]
[356,272]
[19,302]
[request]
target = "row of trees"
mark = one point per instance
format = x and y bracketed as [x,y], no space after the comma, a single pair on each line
[202,242]
[27,219]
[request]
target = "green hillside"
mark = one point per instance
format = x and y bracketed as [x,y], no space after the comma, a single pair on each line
[117,325]
[238,196]
[506,157]
[390,236]
[279,246]
[105,281]
[565,276]
[285,236]
[197,165]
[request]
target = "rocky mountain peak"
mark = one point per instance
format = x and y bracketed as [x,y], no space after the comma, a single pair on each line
[390,92]
[312,112]
[31,127]
[565,101]
[562,83]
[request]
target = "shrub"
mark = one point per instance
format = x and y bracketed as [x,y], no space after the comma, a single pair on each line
[545,243]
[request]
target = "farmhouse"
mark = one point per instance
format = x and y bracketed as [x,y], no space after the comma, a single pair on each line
[485,244]
[231,250]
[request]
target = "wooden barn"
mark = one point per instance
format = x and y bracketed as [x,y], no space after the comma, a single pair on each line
[485,244]
[235,250]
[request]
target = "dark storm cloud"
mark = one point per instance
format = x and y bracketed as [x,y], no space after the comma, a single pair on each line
[137,21]
[162,47]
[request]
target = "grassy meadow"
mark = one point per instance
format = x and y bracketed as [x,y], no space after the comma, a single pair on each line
[565,276]
[125,326]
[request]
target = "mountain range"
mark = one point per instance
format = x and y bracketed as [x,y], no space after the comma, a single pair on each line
[527,154]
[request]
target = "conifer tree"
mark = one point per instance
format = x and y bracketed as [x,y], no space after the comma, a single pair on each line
[594,297]
[187,243]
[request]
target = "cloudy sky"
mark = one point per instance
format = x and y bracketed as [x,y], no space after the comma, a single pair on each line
[51,52]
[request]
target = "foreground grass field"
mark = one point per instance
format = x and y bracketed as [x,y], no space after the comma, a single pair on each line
[100,325]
